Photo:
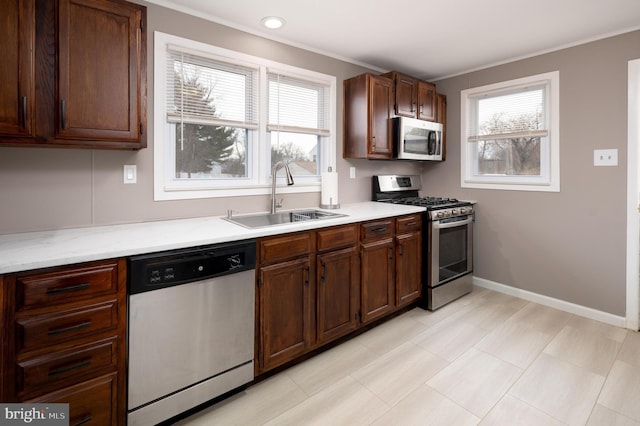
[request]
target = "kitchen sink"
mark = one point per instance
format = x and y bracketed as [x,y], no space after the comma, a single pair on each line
[281,218]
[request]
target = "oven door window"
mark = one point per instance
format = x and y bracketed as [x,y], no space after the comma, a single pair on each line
[454,259]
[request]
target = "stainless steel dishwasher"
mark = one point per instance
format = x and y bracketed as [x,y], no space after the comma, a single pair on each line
[191,328]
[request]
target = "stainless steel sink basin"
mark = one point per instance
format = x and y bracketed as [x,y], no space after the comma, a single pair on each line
[281,218]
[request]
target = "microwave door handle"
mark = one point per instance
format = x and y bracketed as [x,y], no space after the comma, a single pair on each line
[438,225]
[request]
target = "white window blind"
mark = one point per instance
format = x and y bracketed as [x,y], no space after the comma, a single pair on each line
[204,90]
[508,114]
[298,106]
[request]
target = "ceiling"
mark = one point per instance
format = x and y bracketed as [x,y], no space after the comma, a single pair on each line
[428,39]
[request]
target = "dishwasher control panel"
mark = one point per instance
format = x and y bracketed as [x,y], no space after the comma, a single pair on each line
[159,270]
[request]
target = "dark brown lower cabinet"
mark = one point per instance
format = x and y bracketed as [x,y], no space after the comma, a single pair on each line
[408,259]
[90,403]
[284,299]
[377,269]
[64,339]
[315,287]
[337,301]
[378,290]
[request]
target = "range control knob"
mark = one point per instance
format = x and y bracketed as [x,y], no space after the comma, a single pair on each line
[454,212]
[440,215]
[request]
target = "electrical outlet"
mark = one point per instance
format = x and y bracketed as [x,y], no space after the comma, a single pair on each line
[352,172]
[130,173]
[605,157]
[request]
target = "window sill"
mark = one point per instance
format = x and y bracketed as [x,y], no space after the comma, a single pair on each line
[169,193]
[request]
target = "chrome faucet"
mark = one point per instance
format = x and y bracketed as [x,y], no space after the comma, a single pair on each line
[278,165]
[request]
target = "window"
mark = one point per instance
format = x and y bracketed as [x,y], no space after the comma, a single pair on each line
[222,119]
[509,134]
[298,122]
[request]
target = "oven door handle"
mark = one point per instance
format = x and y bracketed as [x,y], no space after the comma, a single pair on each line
[438,225]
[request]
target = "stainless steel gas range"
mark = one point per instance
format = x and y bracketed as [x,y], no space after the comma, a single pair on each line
[448,241]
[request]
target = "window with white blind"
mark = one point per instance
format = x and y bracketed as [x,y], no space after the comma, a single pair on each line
[298,122]
[223,118]
[509,134]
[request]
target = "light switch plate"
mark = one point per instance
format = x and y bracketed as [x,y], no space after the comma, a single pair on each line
[352,172]
[605,157]
[130,173]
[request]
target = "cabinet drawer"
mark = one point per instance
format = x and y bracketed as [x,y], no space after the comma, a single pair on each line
[337,237]
[376,230]
[65,285]
[61,326]
[285,247]
[65,366]
[408,224]
[90,403]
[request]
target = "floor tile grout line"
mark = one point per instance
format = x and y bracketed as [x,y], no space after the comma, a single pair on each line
[537,409]
[603,386]
[462,313]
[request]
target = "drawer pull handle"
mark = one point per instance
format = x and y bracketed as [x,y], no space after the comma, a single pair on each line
[85,419]
[412,224]
[62,330]
[68,368]
[379,230]
[68,289]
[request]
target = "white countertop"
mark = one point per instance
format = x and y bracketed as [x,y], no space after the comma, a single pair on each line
[32,250]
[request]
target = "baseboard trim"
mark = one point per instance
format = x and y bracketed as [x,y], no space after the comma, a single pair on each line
[561,305]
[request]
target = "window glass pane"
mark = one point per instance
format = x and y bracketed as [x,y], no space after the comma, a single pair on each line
[295,103]
[520,112]
[299,149]
[509,157]
[200,90]
[210,152]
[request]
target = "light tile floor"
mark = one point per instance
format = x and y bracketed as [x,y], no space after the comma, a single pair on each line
[487,359]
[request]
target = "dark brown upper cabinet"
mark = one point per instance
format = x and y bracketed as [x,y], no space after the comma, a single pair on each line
[87,87]
[368,105]
[17,74]
[413,98]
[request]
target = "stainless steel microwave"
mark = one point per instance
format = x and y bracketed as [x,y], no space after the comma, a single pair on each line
[417,139]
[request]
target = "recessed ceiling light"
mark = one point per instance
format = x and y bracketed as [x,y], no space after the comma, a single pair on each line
[272,22]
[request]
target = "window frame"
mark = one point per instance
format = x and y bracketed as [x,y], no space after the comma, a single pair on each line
[258,181]
[549,181]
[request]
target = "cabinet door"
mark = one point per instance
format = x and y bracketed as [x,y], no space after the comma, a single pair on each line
[426,101]
[285,311]
[408,268]
[377,285]
[337,303]
[441,117]
[100,71]
[380,110]
[406,95]
[17,85]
